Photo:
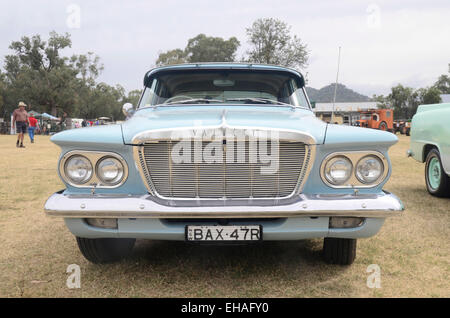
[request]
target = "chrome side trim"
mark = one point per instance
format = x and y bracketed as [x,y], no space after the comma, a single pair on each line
[377,206]
[354,157]
[94,157]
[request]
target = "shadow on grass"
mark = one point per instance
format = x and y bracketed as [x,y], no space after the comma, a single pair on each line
[261,263]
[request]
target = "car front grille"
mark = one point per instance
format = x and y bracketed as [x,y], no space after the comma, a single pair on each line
[241,178]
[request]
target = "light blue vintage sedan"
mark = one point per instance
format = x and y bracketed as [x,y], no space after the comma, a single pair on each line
[223,153]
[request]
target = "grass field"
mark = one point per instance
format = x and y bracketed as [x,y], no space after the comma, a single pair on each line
[413,251]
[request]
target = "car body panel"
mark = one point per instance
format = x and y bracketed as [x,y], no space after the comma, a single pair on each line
[173,117]
[280,230]
[430,127]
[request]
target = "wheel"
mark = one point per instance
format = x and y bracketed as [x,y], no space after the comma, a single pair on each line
[339,250]
[408,131]
[438,183]
[105,250]
[383,126]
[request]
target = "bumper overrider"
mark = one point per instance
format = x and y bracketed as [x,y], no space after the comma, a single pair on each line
[380,205]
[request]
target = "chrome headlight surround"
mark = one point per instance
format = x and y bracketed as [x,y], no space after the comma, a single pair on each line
[355,158]
[77,164]
[343,165]
[94,157]
[111,166]
[359,169]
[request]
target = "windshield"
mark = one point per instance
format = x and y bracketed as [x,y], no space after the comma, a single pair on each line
[232,87]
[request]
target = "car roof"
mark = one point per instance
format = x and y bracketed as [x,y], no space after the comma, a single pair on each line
[222,66]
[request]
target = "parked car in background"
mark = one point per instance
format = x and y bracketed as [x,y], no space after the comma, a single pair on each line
[223,153]
[430,143]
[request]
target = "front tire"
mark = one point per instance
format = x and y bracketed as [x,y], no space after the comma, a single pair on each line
[105,250]
[339,251]
[437,181]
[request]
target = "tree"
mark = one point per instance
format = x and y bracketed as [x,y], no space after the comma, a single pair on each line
[401,97]
[429,95]
[201,48]
[133,97]
[272,43]
[204,48]
[382,101]
[443,83]
[102,100]
[39,75]
[176,56]
[2,95]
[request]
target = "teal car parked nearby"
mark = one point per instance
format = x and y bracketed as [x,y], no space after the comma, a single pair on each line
[430,143]
[223,153]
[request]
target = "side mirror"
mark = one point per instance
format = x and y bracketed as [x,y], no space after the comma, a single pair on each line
[128,110]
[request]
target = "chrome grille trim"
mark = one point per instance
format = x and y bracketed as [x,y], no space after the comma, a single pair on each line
[195,188]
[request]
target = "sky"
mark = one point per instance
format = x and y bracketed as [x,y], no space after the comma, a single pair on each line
[383,43]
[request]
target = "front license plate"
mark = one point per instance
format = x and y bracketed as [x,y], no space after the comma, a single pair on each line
[228,233]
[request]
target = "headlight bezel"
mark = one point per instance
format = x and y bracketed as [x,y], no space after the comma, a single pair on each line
[94,157]
[355,157]
[332,161]
[117,179]
[89,174]
[361,179]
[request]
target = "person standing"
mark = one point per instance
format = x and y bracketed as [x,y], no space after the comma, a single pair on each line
[32,125]
[20,118]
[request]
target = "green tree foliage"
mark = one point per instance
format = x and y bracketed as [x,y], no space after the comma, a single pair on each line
[39,74]
[177,56]
[201,48]
[443,83]
[204,48]
[382,101]
[3,111]
[406,100]
[133,97]
[272,43]
[401,98]
[429,95]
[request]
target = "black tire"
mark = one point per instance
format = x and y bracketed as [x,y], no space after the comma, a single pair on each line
[408,131]
[443,189]
[105,250]
[339,250]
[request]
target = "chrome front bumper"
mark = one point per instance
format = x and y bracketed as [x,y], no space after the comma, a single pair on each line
[135,207]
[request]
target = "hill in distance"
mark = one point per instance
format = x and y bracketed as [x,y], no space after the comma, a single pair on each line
[343,94]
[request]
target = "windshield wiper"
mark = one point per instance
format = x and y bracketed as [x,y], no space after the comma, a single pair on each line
[194,100]
[258,100]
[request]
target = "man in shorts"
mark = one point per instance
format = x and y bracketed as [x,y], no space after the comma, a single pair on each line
[20,118]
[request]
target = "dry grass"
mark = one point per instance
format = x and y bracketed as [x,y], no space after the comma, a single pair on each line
[412,251]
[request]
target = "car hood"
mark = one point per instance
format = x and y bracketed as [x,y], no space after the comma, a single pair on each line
[263,117]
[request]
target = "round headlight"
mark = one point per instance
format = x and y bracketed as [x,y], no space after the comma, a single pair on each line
[338,170]
[78,169]
[369,169]
[110,171]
